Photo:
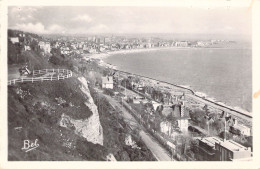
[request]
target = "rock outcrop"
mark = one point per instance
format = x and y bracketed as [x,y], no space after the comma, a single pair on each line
[89,128]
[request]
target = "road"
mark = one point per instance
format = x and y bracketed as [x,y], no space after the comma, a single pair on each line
[249,119]
[158,151]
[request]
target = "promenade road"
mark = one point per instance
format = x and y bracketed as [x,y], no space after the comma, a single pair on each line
[245,117]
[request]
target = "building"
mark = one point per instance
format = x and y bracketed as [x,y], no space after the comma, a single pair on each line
[14,40]
[26,47]
[181,44]
[206,149]
[240,130]
[165,127]
[45,46]
[228,150]
[107,82]
[155,105]
[216,149]
[180,115]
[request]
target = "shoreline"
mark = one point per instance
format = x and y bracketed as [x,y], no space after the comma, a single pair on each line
[101,56]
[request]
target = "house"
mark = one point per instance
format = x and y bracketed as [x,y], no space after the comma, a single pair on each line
[155,105]
[240,129]
[27,47]
[45,46]
[229,150]
[165,127]
[14,40]
[107,82]
[180,114]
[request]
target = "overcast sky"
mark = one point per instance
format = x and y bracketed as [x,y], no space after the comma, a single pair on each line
[95,20]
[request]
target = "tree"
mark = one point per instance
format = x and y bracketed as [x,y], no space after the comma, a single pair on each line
[34,45]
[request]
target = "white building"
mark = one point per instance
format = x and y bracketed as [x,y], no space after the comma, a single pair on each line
[243,130]
[14,40]
[155,105]
[107,82]
[45,46]
[165,127]
[27,47]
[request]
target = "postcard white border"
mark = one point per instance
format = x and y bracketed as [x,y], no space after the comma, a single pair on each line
[253,7]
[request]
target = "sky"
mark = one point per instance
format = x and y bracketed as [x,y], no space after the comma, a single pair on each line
[130,20]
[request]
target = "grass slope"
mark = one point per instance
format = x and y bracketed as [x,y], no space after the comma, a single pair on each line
[33,107]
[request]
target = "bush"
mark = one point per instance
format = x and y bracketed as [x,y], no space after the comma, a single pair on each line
[109,92]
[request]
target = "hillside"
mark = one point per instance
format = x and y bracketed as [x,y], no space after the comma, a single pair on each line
[64,116]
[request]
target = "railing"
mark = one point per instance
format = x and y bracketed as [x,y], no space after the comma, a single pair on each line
[61,74]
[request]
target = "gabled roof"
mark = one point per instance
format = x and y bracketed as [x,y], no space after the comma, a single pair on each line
[177,112]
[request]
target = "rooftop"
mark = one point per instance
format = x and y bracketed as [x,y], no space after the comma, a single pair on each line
[240,127]
[233,146]
[210,140]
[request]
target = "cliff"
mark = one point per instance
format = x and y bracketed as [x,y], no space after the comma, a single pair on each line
[90,128]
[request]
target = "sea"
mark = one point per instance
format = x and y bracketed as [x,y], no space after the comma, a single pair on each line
[221,74]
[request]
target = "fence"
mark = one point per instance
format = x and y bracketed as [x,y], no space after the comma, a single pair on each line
[60,74]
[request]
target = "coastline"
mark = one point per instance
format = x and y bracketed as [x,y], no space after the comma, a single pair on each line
[99,57]
[103,55]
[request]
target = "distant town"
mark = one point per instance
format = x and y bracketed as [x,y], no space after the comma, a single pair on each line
[72,46]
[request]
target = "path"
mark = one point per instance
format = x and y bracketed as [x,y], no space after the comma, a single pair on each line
[158,151]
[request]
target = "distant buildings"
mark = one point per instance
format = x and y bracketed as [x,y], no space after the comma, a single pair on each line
[181,44]
[107,82]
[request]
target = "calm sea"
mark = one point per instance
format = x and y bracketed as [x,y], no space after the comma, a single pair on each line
[223,74]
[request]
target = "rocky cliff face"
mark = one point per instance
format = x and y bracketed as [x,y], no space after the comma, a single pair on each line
[89,128]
